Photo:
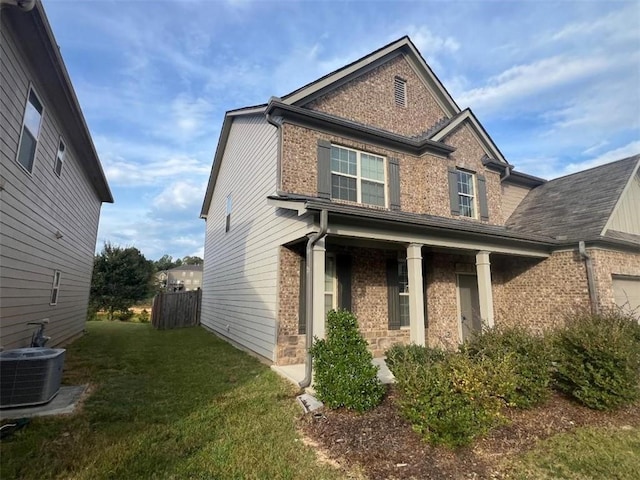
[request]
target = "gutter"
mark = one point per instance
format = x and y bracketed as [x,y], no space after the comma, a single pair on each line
[593,294]
[308,366]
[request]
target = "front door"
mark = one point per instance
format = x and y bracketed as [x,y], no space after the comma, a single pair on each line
[469,308]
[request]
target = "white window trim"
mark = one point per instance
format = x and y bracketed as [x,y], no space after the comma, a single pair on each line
[334,278]
[227,216]
[358,177]
[24,117]
[403,259]
[474,197]
[63,159]
[55,286]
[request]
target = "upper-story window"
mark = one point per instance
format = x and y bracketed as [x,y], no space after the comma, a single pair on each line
[357,176]
[227,221]
[59,158]
[400,91]
[30,131]
[466,194]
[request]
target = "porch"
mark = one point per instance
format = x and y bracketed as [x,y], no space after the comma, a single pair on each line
[401,293]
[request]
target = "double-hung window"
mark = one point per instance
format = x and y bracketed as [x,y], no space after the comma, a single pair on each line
[466,194]
[55,288]
[30,131]
[330,284]
[357,176]
[57,167]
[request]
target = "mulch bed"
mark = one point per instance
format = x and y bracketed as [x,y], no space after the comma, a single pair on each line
[384,446]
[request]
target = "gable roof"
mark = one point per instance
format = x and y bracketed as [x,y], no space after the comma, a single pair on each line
[402,46]
[577,206]
[39,43]
[467,117]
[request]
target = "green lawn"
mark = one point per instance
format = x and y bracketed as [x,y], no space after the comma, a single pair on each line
[586,454]
[166,404]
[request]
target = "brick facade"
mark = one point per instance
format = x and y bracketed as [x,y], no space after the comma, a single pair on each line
[369,100]
[291,348]
[424,184]
[607,263]
[538,293]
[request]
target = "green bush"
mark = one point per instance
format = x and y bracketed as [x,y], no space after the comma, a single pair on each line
[143,316]
[450,402]
[344,374]
[598,360]
[529,355]
[400,356]
[125,315]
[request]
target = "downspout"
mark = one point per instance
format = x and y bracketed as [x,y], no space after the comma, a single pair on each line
[308,366]
[507,173]
[593,294]
[277,122]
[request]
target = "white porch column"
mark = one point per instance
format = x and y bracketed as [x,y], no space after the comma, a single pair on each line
[318,288]
[483,268]
[416,295]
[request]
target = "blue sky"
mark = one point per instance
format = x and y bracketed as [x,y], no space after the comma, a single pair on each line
[555,83]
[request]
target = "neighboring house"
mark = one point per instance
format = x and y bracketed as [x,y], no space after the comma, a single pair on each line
[370,189]
[51,185]
[161,279]
[184,278]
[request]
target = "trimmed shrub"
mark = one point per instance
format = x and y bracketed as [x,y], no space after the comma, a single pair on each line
[400,356]
[450,401]
[344,374]
[598,360]
[529,355]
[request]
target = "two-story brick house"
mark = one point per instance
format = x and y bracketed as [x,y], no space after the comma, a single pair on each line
[370,189]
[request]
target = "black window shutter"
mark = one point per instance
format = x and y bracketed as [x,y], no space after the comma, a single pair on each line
[482,198]
[302,302]
[343,272]
[393,291]
[394,184]
[453,191]
[324,169]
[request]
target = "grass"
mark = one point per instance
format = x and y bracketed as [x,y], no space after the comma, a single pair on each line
[587,453]
[167,405]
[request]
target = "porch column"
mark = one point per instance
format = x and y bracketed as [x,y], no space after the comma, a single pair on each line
[416,295]
[485,294]
[318,288]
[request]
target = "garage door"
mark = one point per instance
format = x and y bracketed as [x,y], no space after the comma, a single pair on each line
[626,291]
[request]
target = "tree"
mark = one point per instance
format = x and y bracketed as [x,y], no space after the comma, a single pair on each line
[192,260]
[121,277]
[166,262]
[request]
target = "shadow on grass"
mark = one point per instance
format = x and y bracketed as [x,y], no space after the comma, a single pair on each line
[166,404]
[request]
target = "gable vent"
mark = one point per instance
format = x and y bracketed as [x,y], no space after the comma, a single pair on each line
[400,91]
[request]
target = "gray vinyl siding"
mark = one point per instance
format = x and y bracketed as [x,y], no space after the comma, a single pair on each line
[34,207]
[512,195]
[626,217]
[240,279]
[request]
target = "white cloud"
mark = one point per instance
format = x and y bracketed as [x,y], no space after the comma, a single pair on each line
[129,173]
[520,82]
[180,195]
[628,150]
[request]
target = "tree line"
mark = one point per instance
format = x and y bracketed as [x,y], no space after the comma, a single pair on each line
[123,277]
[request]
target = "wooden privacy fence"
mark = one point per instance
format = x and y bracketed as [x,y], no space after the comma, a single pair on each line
[176,309]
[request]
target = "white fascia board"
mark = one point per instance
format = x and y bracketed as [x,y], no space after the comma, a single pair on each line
[432,240]
[299,207]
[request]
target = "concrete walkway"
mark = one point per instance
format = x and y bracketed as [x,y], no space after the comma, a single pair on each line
[295,373]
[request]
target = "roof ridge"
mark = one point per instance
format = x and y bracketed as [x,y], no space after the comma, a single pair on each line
[636,157]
